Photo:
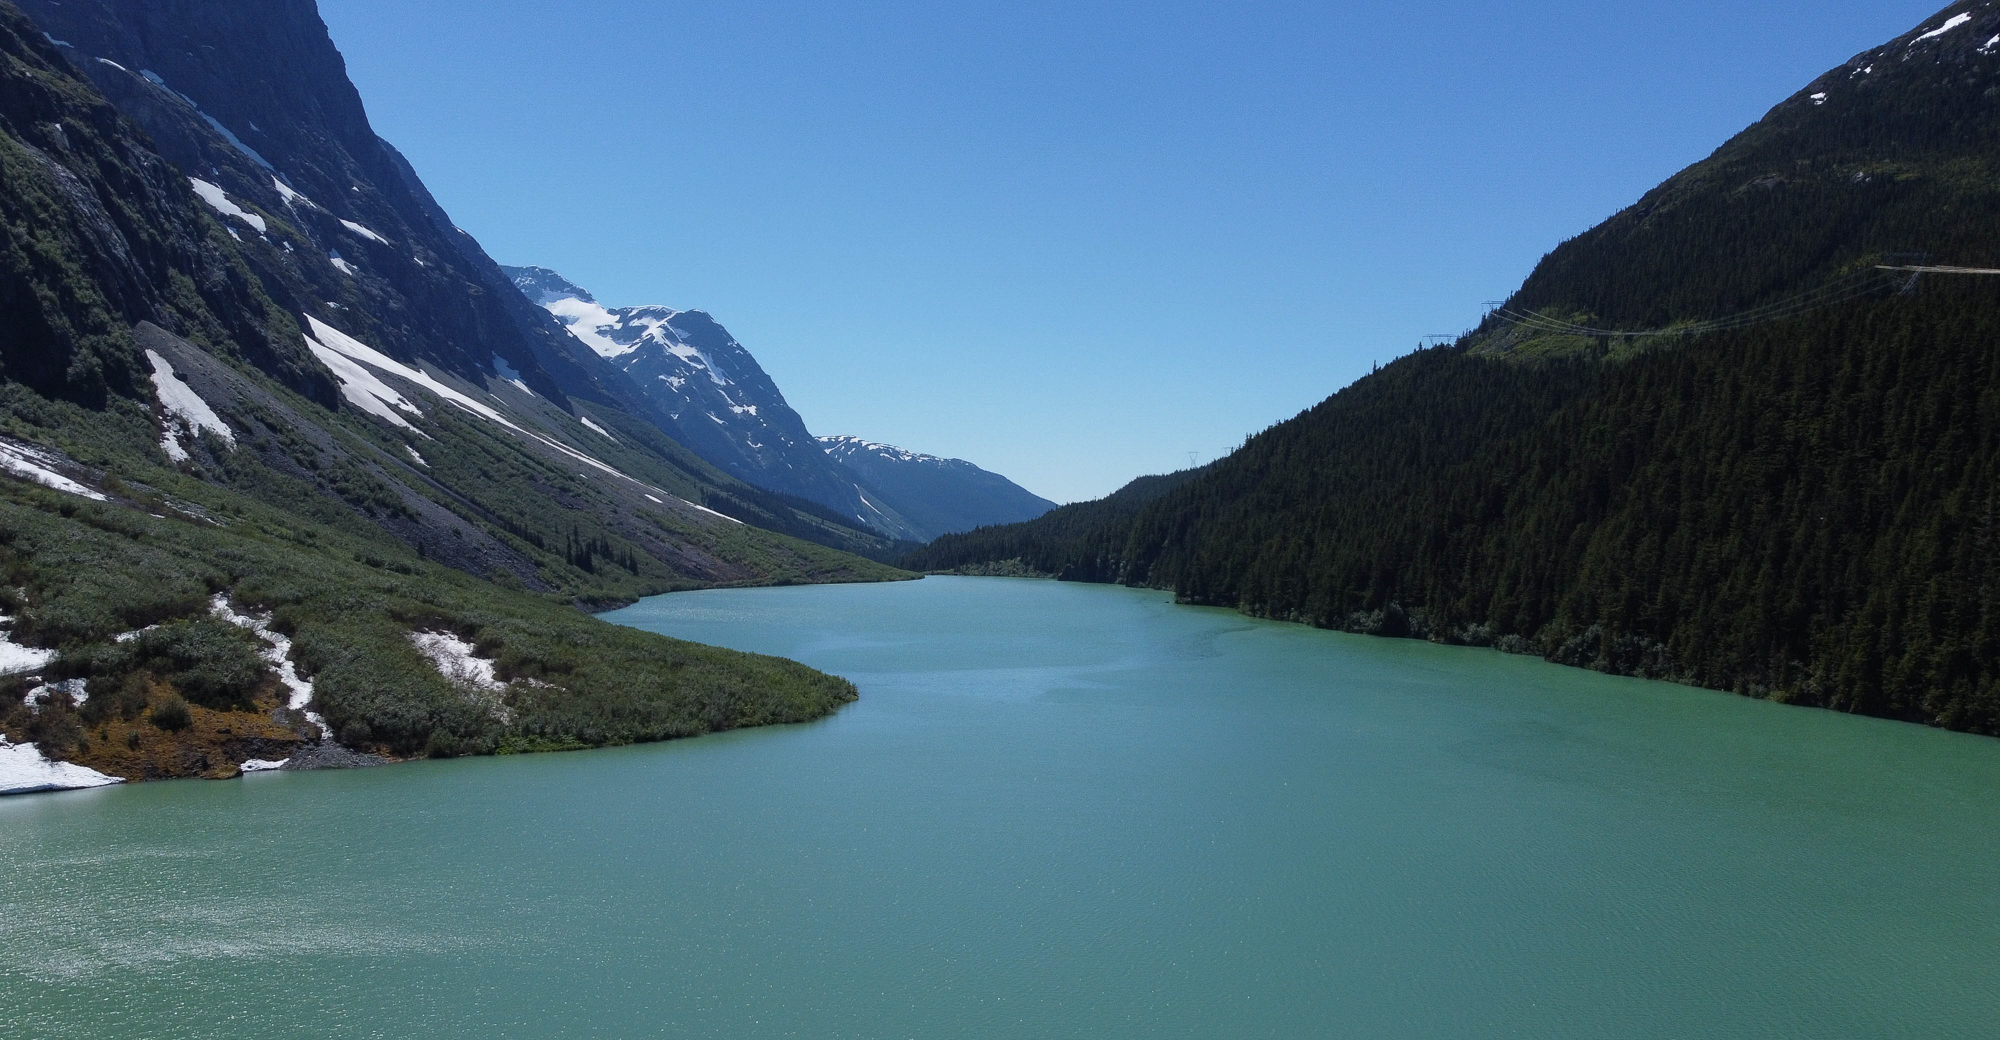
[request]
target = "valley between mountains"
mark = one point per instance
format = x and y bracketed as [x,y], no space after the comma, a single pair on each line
[299,476]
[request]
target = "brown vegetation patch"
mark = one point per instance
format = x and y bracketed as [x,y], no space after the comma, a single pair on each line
[213,744]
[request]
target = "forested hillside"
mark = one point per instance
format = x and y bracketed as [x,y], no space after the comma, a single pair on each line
[1801,510]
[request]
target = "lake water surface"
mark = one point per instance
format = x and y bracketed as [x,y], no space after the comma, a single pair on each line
[1058,811]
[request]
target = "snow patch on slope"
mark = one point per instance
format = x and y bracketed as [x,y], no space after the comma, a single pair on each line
[291,197]
[234,141]
[278,652]
[30,464]
[76,691]
[363,232]
[214,124]
[841,446]
[338,342]
[349,358]
[606,434]
[362,388]
[510,373]
[1951,23]
[16,659]
[218,200]
[453,658]
[587,321]
[187,413]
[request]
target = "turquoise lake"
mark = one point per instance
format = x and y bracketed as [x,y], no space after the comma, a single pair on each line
[1058,811]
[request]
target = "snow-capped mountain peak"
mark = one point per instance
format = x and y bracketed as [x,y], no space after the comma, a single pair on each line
[844,447]
[618,333]
[543,285]
[718,401]
[712,395]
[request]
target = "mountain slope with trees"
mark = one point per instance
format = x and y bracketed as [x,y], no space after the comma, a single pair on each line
[1802,510]
[202,435]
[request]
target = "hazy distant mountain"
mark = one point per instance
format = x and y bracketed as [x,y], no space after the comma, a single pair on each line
[941,495]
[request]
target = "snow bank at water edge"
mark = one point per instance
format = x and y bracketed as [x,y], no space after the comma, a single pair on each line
[279,653]
[258,765]
[23,770]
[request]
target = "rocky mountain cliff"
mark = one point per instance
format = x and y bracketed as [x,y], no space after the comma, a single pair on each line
[252,99]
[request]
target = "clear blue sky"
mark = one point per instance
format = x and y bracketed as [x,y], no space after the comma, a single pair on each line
[1071,242]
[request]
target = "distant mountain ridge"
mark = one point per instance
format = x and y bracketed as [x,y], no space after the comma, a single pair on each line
[723,405]
[942,495]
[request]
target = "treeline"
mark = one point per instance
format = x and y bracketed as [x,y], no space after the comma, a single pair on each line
[1803,512]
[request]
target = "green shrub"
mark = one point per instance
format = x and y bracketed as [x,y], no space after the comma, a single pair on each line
[211,662]
[172,714]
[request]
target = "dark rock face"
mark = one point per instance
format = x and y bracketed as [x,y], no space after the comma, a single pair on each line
[115,234]
[252,97]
